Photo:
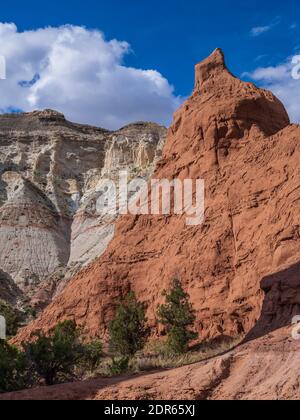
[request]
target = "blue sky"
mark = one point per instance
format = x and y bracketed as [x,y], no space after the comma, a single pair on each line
[169,37]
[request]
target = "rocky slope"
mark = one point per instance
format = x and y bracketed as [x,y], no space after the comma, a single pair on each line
[9,292]
[237,138]
[50,178]
[264,369]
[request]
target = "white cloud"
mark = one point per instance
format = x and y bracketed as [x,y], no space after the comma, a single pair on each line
[78,72]
[259,30]
[271,74]
[279,80]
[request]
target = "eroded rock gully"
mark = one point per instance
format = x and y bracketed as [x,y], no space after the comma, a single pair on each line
[239,139]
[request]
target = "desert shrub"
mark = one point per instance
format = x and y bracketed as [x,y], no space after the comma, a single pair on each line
[14,369]
[55,357]
[119,366]
[128,331]
[178,316]
[92,355]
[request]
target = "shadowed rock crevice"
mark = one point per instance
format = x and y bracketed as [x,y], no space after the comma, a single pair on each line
[281,303]
[9,292]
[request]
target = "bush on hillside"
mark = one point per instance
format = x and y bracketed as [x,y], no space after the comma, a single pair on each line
[14,369]
[56,356]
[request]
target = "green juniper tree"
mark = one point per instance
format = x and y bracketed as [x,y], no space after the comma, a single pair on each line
[128,331]
[14,369]
[178,316]
[54,357]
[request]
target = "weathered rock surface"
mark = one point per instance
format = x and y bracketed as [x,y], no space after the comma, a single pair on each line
[135,149]
[9,292]
[265,369]
[49,173]
[237,138]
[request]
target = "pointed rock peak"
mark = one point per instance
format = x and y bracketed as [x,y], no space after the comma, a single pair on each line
[216,57]
[210,68]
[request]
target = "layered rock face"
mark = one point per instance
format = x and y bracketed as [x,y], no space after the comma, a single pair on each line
[239,140]
[135,149]
[49,173]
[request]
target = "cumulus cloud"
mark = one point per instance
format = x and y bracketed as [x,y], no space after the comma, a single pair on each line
[78,72]
[284,81]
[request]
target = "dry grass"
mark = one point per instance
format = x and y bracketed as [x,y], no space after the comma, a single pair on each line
[155,356]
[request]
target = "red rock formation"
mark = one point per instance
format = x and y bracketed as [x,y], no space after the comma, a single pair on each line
[239,140]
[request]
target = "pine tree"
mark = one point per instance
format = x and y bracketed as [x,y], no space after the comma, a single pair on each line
[128,331]
[177,315]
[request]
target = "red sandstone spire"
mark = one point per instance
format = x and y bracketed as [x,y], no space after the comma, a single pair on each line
[210,67]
